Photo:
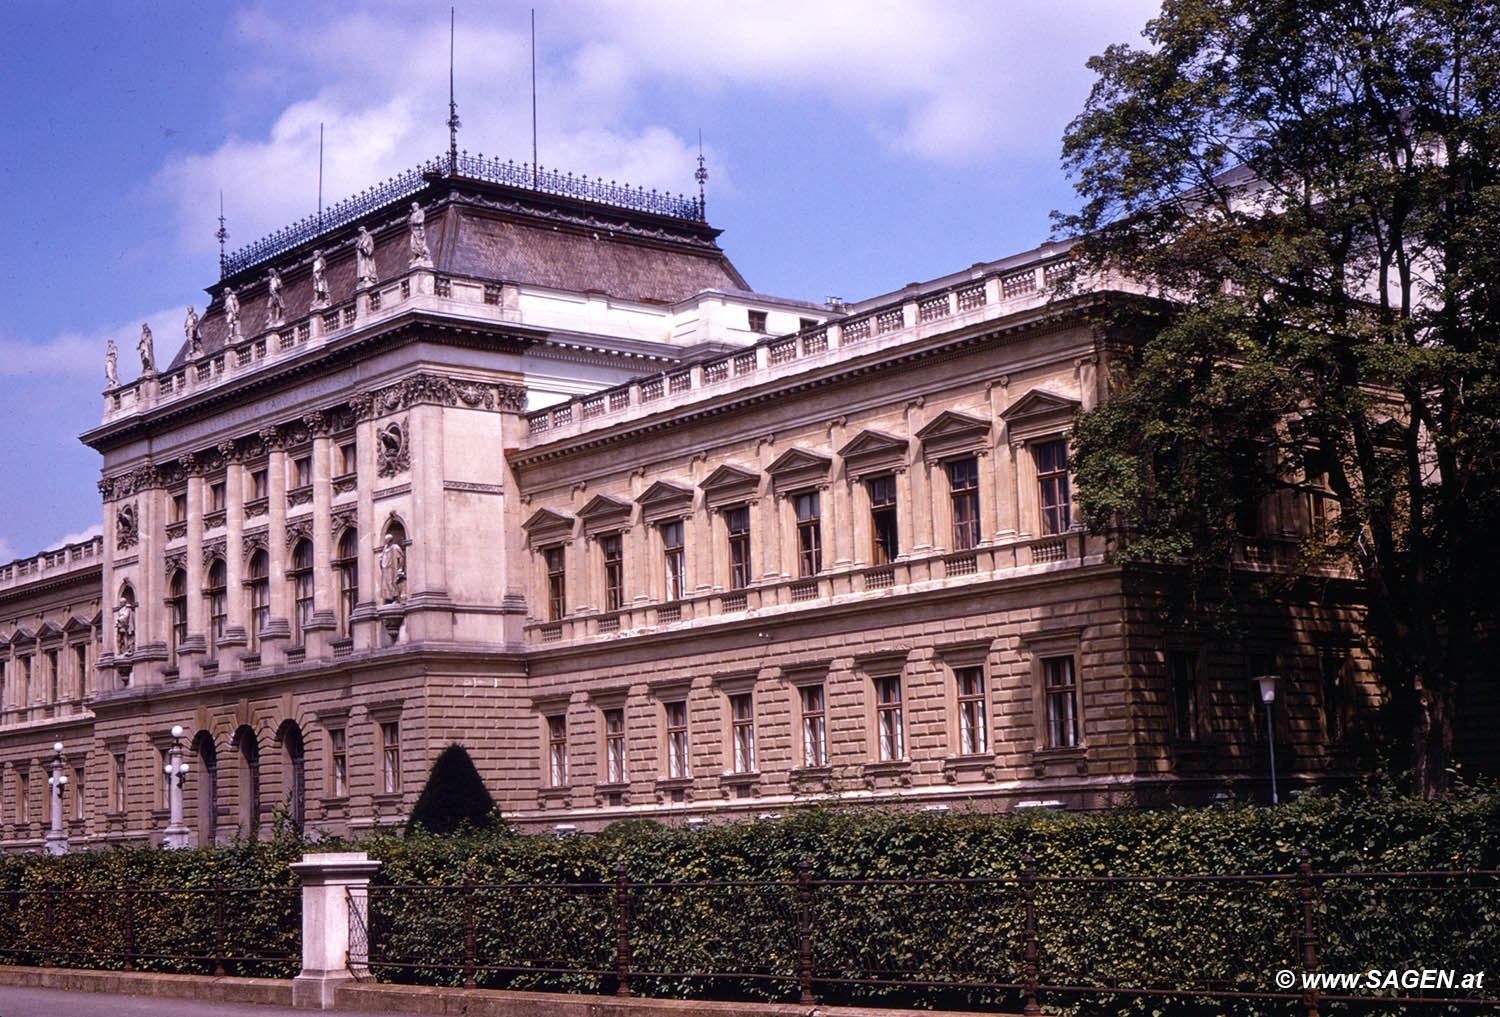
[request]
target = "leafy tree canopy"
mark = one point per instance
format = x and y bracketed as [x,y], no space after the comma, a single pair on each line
[454,796]
[1315,190]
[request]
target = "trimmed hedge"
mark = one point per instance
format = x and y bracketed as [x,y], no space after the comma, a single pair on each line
[1228,936]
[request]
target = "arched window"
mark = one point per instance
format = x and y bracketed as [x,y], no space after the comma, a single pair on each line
[294,773]
[347,566]
[206,773]
[302,590]
[258,590]
[217,610]
[177,610]
[249,752]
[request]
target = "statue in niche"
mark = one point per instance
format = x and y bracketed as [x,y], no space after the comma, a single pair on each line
[420,256]
[111,362]
[190,329]
[390,560]
[125,627]
[148,353]
[364,255]
[232,313]
[319,280]
[275,302]
[392,454]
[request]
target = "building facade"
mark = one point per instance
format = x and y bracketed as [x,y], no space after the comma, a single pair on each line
[526,465]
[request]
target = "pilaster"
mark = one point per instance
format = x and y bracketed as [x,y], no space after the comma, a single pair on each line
[325,617]
[236,624]
[278,628]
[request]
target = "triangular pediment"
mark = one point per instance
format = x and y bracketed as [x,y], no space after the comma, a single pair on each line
[873,443]
[22,635]
[1040,403]
[602,508]
[797,460]
[952,424]
[663,493]
[48,630]
[76,624]
[728,477]
[547,520]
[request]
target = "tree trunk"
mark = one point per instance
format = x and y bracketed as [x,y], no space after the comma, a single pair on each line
[1432,741]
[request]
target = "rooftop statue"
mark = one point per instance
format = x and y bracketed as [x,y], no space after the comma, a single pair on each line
[364,252]
[320,280]
[232,313]
[190,330]
[111,358]
[275,302]
[420,257]
[148,354]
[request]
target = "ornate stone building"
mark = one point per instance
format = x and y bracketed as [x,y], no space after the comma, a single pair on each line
[526,465]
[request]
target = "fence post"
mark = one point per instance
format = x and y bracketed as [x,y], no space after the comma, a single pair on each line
[469,928]
[804,930]
[129,923]
[47,938]
[328,882]
[622,932]
[1028,936]
[218,924]
[1309,931]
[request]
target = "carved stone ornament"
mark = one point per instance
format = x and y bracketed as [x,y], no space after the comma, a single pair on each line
[364,257]
[275,301]
[511,397]
[299,496]
[230,451]
[390,566]
[316,422]
[343,485]
[111,365]
[294,433]
[252,542]
[341,521]
[190,331]
[298,529]
[213,549]
[232,313]
[124,627]
[189,465]
[271,437]
[319,281]
[362,406]
[148,353]
[127,531]
[172,562]
[417,223]
[392,450]
[474,394]
[169,473]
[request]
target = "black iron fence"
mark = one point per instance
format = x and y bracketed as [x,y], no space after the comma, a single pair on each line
[215,930]
[1156,944]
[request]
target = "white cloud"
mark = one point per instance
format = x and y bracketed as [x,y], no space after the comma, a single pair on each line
[74,538]
[7,551]
[79,353]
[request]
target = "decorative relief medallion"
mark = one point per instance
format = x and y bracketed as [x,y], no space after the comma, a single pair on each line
[392,451]
[127,532]
[511,397]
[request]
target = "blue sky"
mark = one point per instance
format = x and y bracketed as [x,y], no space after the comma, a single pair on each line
[852,147]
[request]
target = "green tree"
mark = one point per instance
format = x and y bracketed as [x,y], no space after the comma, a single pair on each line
[1313,192]
[454,796]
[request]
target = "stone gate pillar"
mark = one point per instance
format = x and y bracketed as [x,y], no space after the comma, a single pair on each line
[332,883]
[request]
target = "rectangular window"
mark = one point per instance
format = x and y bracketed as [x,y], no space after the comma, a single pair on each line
[885,542]
[809,534]
[611,546]
[557,751]
[1182,668]
[672,559]
[890,728]
[757,321]
[81,659]
[216,496]
[614,746]
[973,712]
[742,720]
[347,458]
[1052,479]
[164,779]
[1061,691]
[677,739]
[25,681]
[338,763]
[814,726]
[179,507]
[737,521]
[119,783]
[390,743]
[54,677]
[76,797]
[22,793]
[257,484]
[3,701]
[557,590]
[302,471]
[963,488]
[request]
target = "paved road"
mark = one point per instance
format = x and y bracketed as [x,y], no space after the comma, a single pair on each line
[17,1002]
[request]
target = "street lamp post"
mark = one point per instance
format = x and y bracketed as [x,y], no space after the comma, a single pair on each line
[1267,683]
[56,842]
[176,835]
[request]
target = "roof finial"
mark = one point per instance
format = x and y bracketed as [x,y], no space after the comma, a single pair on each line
[453,121]
[701,175]
[222,234]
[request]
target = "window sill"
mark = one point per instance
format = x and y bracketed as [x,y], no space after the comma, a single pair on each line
[334,802]
[672,783]
[740,777]
[879,766]
[1074,757]
[385,797]
[976,765]
[613,785]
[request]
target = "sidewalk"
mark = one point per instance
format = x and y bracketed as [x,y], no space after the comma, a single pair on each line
[16,1001]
